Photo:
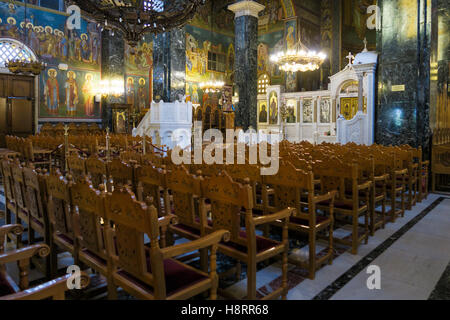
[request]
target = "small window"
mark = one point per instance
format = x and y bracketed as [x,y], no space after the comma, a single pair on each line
[51,4]
[10,50]
[216,62]
[263,83]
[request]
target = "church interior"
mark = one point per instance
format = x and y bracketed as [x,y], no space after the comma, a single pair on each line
[224,150]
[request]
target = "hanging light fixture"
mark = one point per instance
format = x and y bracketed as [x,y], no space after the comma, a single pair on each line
[134,18]
[298,58]
[23,63]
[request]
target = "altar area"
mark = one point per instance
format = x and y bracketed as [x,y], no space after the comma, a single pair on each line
[343,113]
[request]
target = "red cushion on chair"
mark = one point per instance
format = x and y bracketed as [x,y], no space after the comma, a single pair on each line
[65,238]
[5,287]
[187,228]
[339,204]
[262,244]
[304,222]
[176,274]
[95,257]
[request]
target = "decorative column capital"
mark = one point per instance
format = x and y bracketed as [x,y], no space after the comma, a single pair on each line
[246,8]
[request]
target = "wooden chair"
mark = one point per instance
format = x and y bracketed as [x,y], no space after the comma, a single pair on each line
[18,183]
[10,201]
[149,272]
[396,184]
[335,175]
[96,170]
[151,184]
[77,167]
[60,217]
[227,198]
[89,219]
[295,188]
[9,290]
[36,203]
[120,173]
[406,157]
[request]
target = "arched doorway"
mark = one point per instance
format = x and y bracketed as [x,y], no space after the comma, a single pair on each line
[18,115]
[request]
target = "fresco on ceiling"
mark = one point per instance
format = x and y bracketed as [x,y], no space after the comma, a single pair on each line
[217,18]
[64,94]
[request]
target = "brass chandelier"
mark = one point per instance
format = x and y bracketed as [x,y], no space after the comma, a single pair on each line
[134,18]
[298,58]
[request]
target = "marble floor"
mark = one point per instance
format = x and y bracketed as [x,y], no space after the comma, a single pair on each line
[412,256]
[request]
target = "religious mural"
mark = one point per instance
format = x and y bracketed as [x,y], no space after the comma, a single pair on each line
[209,56]
[354,27]
[273,108]
[262,112]
[325,110]
[63,93]
[291,108]
[308,114]
[139,74]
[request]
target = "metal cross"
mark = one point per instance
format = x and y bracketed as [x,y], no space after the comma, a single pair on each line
[350,58]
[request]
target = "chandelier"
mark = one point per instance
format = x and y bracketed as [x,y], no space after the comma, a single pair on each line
[134,18]
[298,58]
[212,86]
[25,67]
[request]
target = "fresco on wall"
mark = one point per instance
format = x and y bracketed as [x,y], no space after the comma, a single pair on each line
[198,43]
[354,27]
[222,20]
[63,93]
[139,74]
[68,94]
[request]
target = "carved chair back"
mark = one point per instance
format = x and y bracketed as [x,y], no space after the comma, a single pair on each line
[228,199]
[88,209]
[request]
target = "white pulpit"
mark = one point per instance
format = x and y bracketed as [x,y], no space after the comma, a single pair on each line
[168,124]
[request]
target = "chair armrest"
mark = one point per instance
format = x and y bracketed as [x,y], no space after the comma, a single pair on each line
[365,186]
[167,220]
[383,177]
[283,214]
[204,242]
[24,253]
[324,197]
[400,172]
[17,229]
[51,289]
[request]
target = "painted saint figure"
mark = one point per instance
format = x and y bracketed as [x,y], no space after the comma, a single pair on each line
[263,114]
[130,91]
[71,93]
[273,116]
[88,96]
[142,97]
[51,92]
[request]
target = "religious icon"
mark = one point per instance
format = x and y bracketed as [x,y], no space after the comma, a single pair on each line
[290,38]
[51,92]
[88,93]
[263,57]
[325,110]
[291,111]
[71,93]
[273,116]
[121,126]
[142,95]
[263,113]
[307,111]
[195,98]
[130,91]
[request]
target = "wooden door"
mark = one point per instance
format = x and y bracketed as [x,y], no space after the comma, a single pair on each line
[17,112]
